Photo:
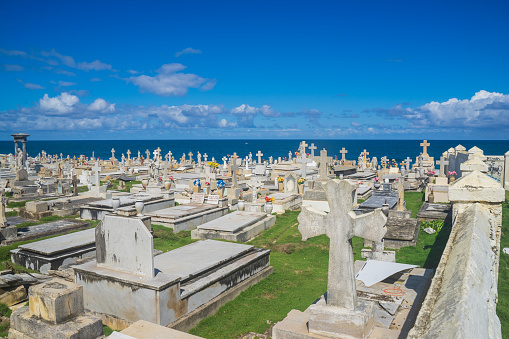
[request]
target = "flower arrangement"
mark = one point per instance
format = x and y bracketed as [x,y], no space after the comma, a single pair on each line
[396,179]
[452,173]
[269,199]
[377,178]
[297,154]
[280,179]
[240,196]
[207,183]
[197,182]
[220,184]
[171,178]
[431,172]
[301,180]
[212,164]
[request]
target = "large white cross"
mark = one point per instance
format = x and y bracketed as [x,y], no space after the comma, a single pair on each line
[341,225]
[234,167]
[312,149]
[425,145]
[259,155]
[112,153]
[442,164]
[343,152]
[97,169]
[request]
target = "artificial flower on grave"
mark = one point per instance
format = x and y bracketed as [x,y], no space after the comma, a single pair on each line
[171,178]
[451,173]
[297,154]
[280,179]
[269,199]
[197,182]
[207,183]
[431,172]
[240,196]
[396,179]
[220,184]
[376,178]
[301,180]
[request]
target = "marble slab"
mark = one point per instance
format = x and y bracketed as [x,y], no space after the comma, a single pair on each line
[181,210]
[234,221]
[66,242]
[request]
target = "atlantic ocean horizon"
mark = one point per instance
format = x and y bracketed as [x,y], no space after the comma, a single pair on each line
[393,149]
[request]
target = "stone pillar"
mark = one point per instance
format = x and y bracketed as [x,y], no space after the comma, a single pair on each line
[505,179]
[15,148]
[24,143]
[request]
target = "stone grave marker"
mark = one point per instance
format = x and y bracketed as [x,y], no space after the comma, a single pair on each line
[198,198]
[213,199]
[290,183]
[342,313]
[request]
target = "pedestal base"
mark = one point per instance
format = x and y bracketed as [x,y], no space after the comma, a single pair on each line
[338,322]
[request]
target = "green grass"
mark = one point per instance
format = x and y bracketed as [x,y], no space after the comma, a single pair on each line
[128,184]
[414,201]
[14,204]
[4,329]
[5,310]
[45,220]
[11,214]
[165,240]
[107,331]
[503,271]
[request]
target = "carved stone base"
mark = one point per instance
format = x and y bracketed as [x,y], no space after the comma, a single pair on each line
[342,323]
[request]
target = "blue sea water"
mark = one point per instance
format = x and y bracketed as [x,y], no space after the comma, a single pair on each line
[393,149]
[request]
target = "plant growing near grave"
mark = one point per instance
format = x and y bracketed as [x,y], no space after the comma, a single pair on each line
[280,179]
[269,199]
[220,184]
[301,180]
[197,182]
[436,225]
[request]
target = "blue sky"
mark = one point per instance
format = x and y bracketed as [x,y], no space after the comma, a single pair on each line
[264,69]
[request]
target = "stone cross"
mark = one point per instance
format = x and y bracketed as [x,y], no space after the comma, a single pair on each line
[259,155]
[225,165]
[190,157]
[312,149]
[169,155]
[97,169]
[322,161]
[302,148]
[442,164]
[158,153]
[341,225]
[271,159]
[128,155]
[408,161]
[246,162]
[234,167]
[425,145]
[113,153]
[364,158]
[75,185]
[147,152]
[343,152]
[205,157]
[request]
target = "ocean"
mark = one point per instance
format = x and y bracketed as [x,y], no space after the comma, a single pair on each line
[393,149]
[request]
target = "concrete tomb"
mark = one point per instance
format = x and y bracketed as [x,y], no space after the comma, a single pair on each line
[285,201]
[56,311]
[50,254]
[237,226]
[177,289]
[187,217]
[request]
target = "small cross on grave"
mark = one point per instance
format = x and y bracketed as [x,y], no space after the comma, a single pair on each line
[190,157]
[225,164]
[234,167]
[341,225]
[112,153]
[302,148]
[364,154]
[128,155]
[147,152]
[169,155]
[322,161]
[407,163]
[343,152]
[442,164]
[312,149]
[425,145]
[158,153]
[259,155]
[205,157]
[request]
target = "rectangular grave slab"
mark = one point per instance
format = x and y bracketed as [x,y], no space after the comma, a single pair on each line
[285,201]
[50,228]
[239,226]
[50,254]
[186,217]
[187,280]
[433,211]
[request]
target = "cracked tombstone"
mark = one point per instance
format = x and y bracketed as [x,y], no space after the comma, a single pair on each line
[340,313]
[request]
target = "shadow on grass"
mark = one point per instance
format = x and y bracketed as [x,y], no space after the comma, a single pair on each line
[438,246]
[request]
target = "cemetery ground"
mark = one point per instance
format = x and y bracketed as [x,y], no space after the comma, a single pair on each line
[300,273]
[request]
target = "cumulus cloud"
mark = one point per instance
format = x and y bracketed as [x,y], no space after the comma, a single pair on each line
[30,85]
[101,105]
[66,83]
[188,50]
[169,82]
[223,123]
[483,110]
[63,103]
[12,68]
[246,114]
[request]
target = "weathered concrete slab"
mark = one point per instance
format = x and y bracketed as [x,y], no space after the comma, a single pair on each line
[233,221]
[61,244]
[187,217]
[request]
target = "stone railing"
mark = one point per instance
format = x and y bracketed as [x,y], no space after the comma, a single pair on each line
[462,299]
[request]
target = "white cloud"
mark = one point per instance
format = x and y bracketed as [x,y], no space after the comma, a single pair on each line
[133,72]
[64,59]
[13,68]
[30,85]
[102,106]
[66,83]
[188,50]
[63,103]
[95,79]
[225,123]
[168,82]
[94,65]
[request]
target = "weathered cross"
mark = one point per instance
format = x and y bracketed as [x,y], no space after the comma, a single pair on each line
[303,159]
[190,157]
[259,155]
[128,155]
[205,157]
[442,164]
[147,152]
[312,149]
[234,167]
[341,225]
[322,161]
[225,165]
[408,161]
[364,158]
[97,169]
[112,153]
[158,153]
[343,152]
[425,145]
[302,149]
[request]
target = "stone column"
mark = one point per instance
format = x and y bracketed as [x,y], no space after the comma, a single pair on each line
[24,143]
[15,148]
[505,179]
